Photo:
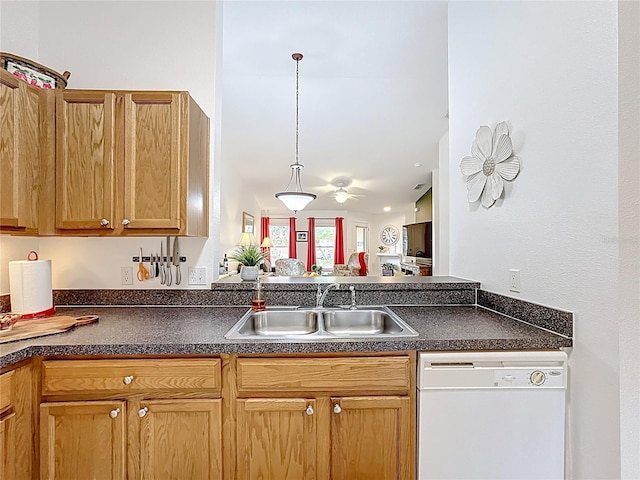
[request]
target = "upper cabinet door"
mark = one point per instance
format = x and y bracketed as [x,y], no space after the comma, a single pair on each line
[85,148]
[155,159]
[19,155]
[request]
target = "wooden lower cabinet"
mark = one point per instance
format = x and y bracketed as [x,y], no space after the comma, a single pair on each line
[131,419]
[17,425]
[355,422]
[178,439]
[277,439]
[7,461]
[82,440]
[371,438]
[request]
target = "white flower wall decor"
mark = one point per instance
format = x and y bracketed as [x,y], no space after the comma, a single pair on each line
[491,162]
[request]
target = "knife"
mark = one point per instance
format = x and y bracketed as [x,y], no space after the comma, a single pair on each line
[168,264]
[176,261]
[163,275]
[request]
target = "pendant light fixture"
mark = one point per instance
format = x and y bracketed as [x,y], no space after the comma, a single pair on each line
[296,199]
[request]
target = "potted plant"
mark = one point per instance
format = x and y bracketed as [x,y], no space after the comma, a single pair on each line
[251,258]
[382,249]
[388,269]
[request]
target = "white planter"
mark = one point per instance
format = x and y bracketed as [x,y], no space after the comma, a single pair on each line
[249,273]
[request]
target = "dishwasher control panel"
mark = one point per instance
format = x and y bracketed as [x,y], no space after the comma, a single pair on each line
[542,377]
[453,370]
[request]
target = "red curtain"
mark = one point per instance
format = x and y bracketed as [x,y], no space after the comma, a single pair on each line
[339,247]
[264,232]
[311,245]
[293,251]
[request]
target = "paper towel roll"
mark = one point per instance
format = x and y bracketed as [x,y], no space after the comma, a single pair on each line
[30,287]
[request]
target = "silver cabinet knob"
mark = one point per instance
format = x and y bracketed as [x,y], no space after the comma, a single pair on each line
[104,222]
[142,412]
[114,413]
[127,380]
[125,222]
[337,408]
[309,410]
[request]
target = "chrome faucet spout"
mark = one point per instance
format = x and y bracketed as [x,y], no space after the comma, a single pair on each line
[353,298]
[321,296]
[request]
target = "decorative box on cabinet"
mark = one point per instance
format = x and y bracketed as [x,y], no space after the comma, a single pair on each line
[163,418]
[19,155]
[129,163]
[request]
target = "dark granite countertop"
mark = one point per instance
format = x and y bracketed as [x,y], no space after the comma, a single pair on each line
[179,330]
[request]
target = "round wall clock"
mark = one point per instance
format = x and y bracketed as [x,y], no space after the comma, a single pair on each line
[389,235]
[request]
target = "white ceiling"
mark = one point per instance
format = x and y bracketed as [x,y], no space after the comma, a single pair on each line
[373,98]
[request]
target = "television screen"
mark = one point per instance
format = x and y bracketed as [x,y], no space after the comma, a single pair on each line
[416,240]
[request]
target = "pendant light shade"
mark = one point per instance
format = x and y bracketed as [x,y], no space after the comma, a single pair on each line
[295,199]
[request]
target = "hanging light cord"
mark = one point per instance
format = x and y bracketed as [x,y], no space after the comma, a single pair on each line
[297,100]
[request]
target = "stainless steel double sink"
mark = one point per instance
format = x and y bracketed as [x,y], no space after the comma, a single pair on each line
[312,324]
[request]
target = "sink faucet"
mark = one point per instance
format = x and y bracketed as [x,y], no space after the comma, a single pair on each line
[320,295]
[353,298]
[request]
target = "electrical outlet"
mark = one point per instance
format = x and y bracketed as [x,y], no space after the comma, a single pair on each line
[197,275]
[126,275]
[514,280]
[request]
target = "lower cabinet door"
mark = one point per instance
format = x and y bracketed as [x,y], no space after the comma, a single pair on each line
[276,439]
[371,438]
[180,439]
[82,440]
[7,447]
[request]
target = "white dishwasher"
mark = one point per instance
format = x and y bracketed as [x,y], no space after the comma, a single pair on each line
[491,415]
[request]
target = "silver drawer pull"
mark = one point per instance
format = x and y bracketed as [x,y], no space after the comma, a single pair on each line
[128,379]
[142,412]
[309,410]
[114,413]
[337,408]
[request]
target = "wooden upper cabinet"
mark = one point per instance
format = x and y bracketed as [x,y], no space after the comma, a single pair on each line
[131,163]
[155,135]
[85,151]
[19,155]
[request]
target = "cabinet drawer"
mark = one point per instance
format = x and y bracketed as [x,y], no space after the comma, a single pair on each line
[303,375]
[123,377]
[6,387]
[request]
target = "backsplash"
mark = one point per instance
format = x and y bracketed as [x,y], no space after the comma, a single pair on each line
[5,303]
[559,321]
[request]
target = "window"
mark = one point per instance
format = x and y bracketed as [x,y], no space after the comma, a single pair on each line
[279,235]
[325,244]
[361,238]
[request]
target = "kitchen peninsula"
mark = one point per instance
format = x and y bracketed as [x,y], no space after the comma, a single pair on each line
[153,359]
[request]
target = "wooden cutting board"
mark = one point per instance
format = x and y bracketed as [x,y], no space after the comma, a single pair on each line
[24,329]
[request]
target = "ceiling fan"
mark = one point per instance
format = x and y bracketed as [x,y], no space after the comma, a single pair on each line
[341,195]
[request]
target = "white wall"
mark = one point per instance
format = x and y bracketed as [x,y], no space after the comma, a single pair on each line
[126,45]
[550,70]
[629,235]
[19,28]
[440,178]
